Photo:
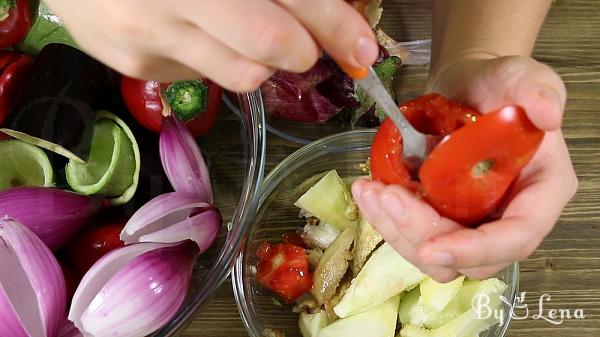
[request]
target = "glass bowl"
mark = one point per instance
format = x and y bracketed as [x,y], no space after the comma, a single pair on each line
[235,152]
[277,214]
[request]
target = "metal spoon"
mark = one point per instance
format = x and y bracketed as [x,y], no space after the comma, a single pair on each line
[415,145]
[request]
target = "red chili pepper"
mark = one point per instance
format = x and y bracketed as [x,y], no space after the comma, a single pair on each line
[145,101]
[15,21]
[15,70]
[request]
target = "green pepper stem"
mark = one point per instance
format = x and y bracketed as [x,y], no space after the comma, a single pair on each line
[187,98]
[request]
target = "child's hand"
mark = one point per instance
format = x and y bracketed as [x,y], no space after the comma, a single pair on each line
[441,247]
[236,43]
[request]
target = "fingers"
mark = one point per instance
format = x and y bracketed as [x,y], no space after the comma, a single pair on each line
[397,214]
[396,228]
[481,273]
[528,218]
[206,55]
[338,28]
[542,93]
[488,84]
[257,29]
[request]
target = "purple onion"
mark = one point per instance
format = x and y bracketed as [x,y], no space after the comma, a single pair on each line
[182,160]
[134,290]
[32,286]
[53,215]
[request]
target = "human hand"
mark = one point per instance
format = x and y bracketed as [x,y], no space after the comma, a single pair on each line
[235,43]
[439,246]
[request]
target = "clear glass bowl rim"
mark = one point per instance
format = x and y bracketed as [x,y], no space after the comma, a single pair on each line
[340,142]
[253,121]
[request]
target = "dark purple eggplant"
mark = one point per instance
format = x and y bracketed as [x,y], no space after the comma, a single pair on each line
[56,108]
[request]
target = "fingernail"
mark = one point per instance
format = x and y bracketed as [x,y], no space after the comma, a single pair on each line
[366,51]
[443,259]
[393,205]
[552,97]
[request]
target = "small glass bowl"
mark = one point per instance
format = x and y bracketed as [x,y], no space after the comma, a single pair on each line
[277,214]
[235,152]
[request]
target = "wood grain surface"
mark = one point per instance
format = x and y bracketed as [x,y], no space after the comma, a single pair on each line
[567,264]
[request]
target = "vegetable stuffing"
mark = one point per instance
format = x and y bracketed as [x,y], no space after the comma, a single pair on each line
[360,285]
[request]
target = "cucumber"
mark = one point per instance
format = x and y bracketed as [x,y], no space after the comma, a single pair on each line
[412,312]
[385,275]
[436,296]
[470,323]
[113,167]
[330,201]
[379,321]
[23,164]
[311,324]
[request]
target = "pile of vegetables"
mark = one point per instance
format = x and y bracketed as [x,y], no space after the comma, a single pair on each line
[346,281]
[79,256]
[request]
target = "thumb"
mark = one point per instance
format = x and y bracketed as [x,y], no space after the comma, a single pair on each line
[542,93]
[488,84]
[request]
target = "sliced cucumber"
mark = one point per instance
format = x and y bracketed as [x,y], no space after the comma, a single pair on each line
[412,312]
[471,322]
[23,164]
[379,321]
[311,324]
[330,201]
[436,296]
[385,275]
[113,167]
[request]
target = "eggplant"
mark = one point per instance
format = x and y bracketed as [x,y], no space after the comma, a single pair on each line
[56,109]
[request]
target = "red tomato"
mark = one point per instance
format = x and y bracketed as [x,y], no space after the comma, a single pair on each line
[468,173]
[283,268]
[387,165]
[466,176]
[294,238]
[432,114]
[143,100]
[90,245]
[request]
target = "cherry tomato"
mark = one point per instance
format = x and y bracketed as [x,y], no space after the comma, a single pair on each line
[465,177]
[283,268]
[91,244]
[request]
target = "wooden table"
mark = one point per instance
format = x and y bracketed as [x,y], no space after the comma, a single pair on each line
[567,265]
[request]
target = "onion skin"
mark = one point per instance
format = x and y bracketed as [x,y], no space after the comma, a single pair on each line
[140,296]
[182,160]
[163,211]
[201,228]
[53,215]
[42,271]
